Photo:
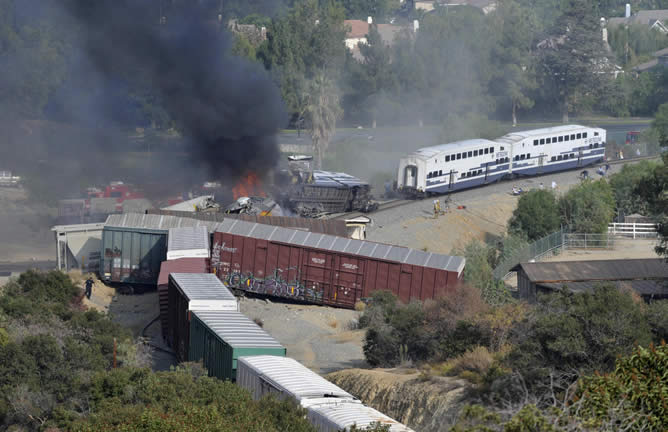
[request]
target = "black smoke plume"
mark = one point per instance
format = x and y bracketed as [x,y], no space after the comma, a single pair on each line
[227,108]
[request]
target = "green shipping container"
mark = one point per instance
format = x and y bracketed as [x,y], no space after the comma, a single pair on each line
[132,255]
[218,338]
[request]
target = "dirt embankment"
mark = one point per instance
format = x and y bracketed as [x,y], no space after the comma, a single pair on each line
[424,405]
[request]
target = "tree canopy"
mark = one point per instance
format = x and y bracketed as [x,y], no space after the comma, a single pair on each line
[536,214]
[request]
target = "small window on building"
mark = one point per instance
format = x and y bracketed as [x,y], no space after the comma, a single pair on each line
[470,154]
[579,136]
[561,139]
[459,156]
[447,158]
[535,142]
[566,138]
[542,141]
[475,152]
[584,135]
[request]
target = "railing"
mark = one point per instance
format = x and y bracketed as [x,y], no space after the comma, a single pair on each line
[634,230]
[588,241]
[550,244]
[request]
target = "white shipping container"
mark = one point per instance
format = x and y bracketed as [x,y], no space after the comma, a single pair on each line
[342,416]
[204,291]
[287,379]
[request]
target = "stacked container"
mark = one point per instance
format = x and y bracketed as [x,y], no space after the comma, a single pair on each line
[193,292]
[218,338]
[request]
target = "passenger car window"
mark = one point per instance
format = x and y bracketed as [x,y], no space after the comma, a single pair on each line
[566,138]
[584,135]
[553,158]
[475,152]
[459,156]
[572,137]
[470,154]
[486,150]
[579,136]
[542,140]
[561,138]
[447,158]
[535,142]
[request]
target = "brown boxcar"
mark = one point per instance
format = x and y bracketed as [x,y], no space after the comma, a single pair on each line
[324,269]
[193,292]
[181,265]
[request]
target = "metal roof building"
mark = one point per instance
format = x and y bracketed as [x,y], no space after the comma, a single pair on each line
[337,417]
[648,277]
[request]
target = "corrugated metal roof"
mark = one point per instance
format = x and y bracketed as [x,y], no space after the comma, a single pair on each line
[344,415]
[235,329]
[580,271]
[354,247]
[182,265]
[156,222]
[188,238]
[201,286]
[656,288]
[293,377]
[323,226]
[335,179]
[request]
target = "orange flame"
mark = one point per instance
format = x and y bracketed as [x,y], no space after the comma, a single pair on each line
[248,186]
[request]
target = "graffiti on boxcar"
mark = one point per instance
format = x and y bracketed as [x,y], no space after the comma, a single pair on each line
[274,285]
[215,254]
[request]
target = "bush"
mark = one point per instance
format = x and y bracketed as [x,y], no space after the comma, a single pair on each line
[657,317]
[477,360]
[635,393]
[567,333]
[536,215]
[588,207]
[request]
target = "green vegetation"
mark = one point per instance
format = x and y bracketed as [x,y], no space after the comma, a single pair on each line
[536,215]
[588,207]
[55,372]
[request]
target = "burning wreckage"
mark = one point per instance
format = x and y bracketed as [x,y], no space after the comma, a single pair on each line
[303,191]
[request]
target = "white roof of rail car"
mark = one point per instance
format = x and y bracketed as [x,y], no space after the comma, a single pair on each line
[202,286]
[294,378]
[188,238]
[427,152]
[345,415]
[520,135]
[235,329]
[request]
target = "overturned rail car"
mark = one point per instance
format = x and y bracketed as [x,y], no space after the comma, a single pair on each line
[324,269]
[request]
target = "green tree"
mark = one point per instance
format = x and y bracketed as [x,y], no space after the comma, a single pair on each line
[536,215]
[373,79]
[588,207]
[512,56]
[654,190]
[660,124]
[624,184]
[322,111]
[478,272]
[571,332]
[376,9]
[301,44]
[573,50]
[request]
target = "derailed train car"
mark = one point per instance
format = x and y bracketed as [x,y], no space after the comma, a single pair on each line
[323,269]
[310,192]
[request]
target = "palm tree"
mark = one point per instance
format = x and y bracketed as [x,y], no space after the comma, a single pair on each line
[322,109]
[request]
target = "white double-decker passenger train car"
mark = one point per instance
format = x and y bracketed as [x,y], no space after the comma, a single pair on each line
[465,164]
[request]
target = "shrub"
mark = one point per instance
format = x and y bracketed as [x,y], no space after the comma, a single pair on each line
[4,337]
[536,215]
[657,317]
[477,360]
[588,207]
[635,392]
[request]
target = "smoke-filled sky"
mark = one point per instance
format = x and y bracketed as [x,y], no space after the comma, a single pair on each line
[227,108]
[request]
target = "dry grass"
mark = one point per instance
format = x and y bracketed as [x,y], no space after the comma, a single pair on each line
[333,323]
[360,306]
[472,365]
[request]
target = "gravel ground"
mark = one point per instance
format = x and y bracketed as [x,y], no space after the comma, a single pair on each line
[487,212]
[318,336]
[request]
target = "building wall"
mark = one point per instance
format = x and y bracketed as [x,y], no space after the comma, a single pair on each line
[351,43]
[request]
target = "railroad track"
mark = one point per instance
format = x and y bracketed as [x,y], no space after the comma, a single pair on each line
[401,202]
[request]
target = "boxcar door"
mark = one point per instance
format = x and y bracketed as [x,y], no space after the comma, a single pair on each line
[316,284]
[451,182]
[486,170]
[580,154]
[348,278]
[541,163]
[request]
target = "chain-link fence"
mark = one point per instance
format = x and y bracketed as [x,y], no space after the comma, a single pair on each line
[589,241]
[550,244]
